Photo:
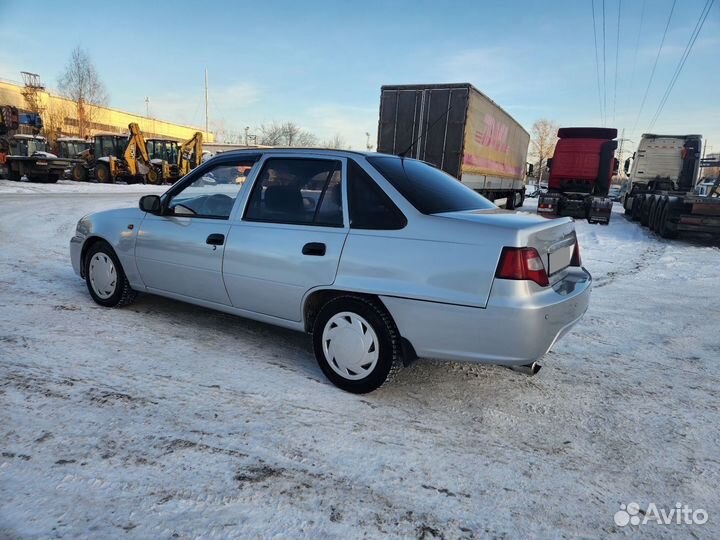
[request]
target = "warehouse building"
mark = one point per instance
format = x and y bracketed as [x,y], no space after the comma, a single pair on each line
[60,116]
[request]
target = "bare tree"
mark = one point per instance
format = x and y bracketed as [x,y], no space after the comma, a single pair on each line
[337,142]
[544,139]
[81,83]
[285,134]
[54,119]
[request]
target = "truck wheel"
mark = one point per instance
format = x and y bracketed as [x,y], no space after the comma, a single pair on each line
[14,176]
[52,178]
[665,229]
[645,212]
[636,209]
[79,173]
[651,213]
[510,201]
[102,173]
[357,344]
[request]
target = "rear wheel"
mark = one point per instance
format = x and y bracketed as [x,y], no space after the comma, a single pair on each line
[645,212]
[105,278]
[652,212]
[356,344]
[665,228]
[102,173]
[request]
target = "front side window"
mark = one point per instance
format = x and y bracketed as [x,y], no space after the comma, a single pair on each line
[213,194]
[428,189]
[296,190]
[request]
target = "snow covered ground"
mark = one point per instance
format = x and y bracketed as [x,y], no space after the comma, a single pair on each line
[164,420]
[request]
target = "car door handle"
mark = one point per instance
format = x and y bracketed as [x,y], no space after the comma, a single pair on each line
[215,239]
[314,248]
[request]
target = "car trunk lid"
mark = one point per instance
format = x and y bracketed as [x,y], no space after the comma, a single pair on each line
[554,239]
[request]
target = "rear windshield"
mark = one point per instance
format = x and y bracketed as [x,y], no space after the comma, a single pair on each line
[428,189]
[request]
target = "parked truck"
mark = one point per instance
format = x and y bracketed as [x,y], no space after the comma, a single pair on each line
[25,155]
[662,193]
[580,172]
[459,130]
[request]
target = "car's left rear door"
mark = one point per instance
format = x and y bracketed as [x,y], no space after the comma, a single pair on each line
[181,251]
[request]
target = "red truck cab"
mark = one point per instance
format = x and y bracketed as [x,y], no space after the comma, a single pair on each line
[580,172]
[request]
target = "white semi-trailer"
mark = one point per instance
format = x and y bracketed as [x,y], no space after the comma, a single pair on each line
[460,130]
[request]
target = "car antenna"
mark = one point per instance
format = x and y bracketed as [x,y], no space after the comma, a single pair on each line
[404,152]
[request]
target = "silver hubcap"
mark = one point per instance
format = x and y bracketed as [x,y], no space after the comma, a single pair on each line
[350,346]
[103,276]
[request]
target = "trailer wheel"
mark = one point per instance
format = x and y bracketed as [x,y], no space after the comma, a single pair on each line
[510,201]
[635,209]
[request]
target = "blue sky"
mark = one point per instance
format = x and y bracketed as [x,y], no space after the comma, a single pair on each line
[321,64]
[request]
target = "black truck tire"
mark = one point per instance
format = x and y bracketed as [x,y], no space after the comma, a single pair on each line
[665,229]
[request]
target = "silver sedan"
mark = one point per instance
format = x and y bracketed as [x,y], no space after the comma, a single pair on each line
[382,259]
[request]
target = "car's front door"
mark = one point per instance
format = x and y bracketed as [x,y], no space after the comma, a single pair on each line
[181,251]
[290,235]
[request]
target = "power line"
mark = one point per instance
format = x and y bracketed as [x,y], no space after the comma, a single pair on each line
[688,49]
[597,63]
[617,55]
[604,64]
[637,44]
[652,73]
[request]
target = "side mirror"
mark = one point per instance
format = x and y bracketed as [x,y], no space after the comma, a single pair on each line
[530,169]
[627,166]
[548,162]
[150,204]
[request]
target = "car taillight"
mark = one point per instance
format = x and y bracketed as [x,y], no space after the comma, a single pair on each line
[575,260]
[522,263]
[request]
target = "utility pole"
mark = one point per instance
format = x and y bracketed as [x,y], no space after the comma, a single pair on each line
[368,145]
[207,121]
[147,107]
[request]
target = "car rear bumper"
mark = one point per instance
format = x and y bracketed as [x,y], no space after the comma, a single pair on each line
[518,326]
[76,243]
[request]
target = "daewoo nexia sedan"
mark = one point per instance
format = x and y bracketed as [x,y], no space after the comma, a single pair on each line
[382,259]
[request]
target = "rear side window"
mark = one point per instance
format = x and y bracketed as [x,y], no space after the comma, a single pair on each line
[370,207]
[428,189]
[301,191]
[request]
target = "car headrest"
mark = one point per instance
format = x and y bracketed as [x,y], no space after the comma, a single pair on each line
[286,199]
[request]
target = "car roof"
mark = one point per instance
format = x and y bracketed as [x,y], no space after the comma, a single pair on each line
[300,151]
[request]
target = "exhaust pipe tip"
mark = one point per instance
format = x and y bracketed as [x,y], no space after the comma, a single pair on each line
[527,369]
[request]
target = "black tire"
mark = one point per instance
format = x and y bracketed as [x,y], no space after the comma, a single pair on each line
[665,229]
[652,211]
[659,208]
[79,173]
[122,294]
[14,175]
[645,213]
[636,205]
[389,360]
[510,201]
[102,173]
[52,178]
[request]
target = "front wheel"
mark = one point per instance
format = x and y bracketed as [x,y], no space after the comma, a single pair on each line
[105,278]
[356,344]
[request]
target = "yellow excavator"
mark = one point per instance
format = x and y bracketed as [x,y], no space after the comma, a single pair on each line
[190,154]
[116,157]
